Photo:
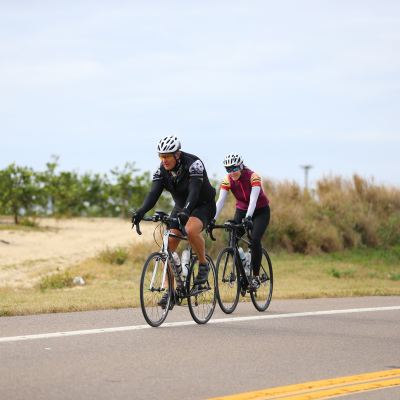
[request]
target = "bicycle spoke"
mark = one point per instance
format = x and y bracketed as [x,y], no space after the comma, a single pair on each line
[203,299]
[227,282]
[262,297]
[149,297]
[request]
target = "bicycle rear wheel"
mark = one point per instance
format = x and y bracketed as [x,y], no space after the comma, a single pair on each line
[151,293]
[228,287]
[202,297]
[263,295]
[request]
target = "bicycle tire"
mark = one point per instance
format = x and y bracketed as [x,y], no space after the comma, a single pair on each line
[228,284]
[202,304]
[152,312]
[261,298]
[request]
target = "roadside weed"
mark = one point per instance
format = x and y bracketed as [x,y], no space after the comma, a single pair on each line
[114,256]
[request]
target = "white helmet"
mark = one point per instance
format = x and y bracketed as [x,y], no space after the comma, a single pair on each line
[169,144]
[232,160]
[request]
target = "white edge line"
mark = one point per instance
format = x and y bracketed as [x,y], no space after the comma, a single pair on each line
[184,323]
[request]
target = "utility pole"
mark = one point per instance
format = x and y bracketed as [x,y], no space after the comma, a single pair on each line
[306,168]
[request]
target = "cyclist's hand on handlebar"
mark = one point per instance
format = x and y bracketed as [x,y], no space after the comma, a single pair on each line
[137,216]
[184,216]
[211,225]
[248,223]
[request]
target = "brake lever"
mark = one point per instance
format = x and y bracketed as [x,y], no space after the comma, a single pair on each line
[209,233]
[212,236]
[246,229]
[183,228]
[247,233]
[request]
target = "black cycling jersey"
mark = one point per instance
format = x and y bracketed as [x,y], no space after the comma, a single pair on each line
[190,190]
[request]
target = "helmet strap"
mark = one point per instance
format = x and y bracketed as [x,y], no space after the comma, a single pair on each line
[241,166]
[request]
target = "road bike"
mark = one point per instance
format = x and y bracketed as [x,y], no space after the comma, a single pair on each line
[156,278]
[231,277]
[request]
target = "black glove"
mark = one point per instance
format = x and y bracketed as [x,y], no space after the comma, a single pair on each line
[211,225]
[137,216]
[184,216]
[247,222]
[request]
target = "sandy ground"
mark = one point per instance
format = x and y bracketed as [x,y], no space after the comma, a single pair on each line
[67,242]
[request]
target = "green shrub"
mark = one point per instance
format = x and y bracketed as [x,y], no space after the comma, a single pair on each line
[395,277]
[334,273]
[55,281]
[114,256]
[29,223]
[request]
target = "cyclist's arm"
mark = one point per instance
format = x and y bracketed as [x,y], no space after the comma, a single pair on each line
[151,199]
[194,191]
[225,187]
[223,194]
[196,175]
[255,192]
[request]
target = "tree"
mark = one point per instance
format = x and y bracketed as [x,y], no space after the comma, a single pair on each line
[19,191]
[125,187]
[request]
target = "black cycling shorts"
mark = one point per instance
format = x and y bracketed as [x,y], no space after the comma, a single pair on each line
[204,212]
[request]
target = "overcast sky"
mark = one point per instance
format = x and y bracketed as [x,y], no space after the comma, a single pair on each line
[284,83]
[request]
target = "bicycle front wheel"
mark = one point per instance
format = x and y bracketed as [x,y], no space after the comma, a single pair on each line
[228,287]
[151,292]
[263,295]
[202,298]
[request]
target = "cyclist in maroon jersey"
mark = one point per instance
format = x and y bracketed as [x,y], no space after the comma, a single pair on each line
[252,206]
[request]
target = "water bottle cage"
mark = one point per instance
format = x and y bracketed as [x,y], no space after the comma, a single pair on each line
[178,278]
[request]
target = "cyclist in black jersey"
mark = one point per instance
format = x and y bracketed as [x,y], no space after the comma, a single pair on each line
[184,176]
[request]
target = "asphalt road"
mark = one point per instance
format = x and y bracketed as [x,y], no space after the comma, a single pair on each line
[199,361]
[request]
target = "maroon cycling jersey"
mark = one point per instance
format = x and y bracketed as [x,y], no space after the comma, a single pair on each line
[241,189]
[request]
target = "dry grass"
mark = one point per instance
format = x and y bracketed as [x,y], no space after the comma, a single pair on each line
[340,214]
[79,298]
[337,275]
[108,285]
[341,240]
[296,276]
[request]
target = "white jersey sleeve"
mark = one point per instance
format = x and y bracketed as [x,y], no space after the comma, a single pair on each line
[223,194]
[255,192]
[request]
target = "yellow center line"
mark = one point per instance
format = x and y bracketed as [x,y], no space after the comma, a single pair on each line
[364,382]
[344,390]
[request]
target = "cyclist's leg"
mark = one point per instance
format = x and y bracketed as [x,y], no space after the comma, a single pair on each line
[174,226]
[260,223]
[199,219]
[193,229]
[174,242]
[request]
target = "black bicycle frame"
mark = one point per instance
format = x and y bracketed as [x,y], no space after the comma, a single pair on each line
[233,243]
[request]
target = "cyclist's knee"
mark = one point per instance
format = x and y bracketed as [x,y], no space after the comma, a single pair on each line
[192,233]
[193,227]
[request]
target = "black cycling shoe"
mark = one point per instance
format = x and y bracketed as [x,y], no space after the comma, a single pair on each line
[254,283]
[163,301]
[202,276]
